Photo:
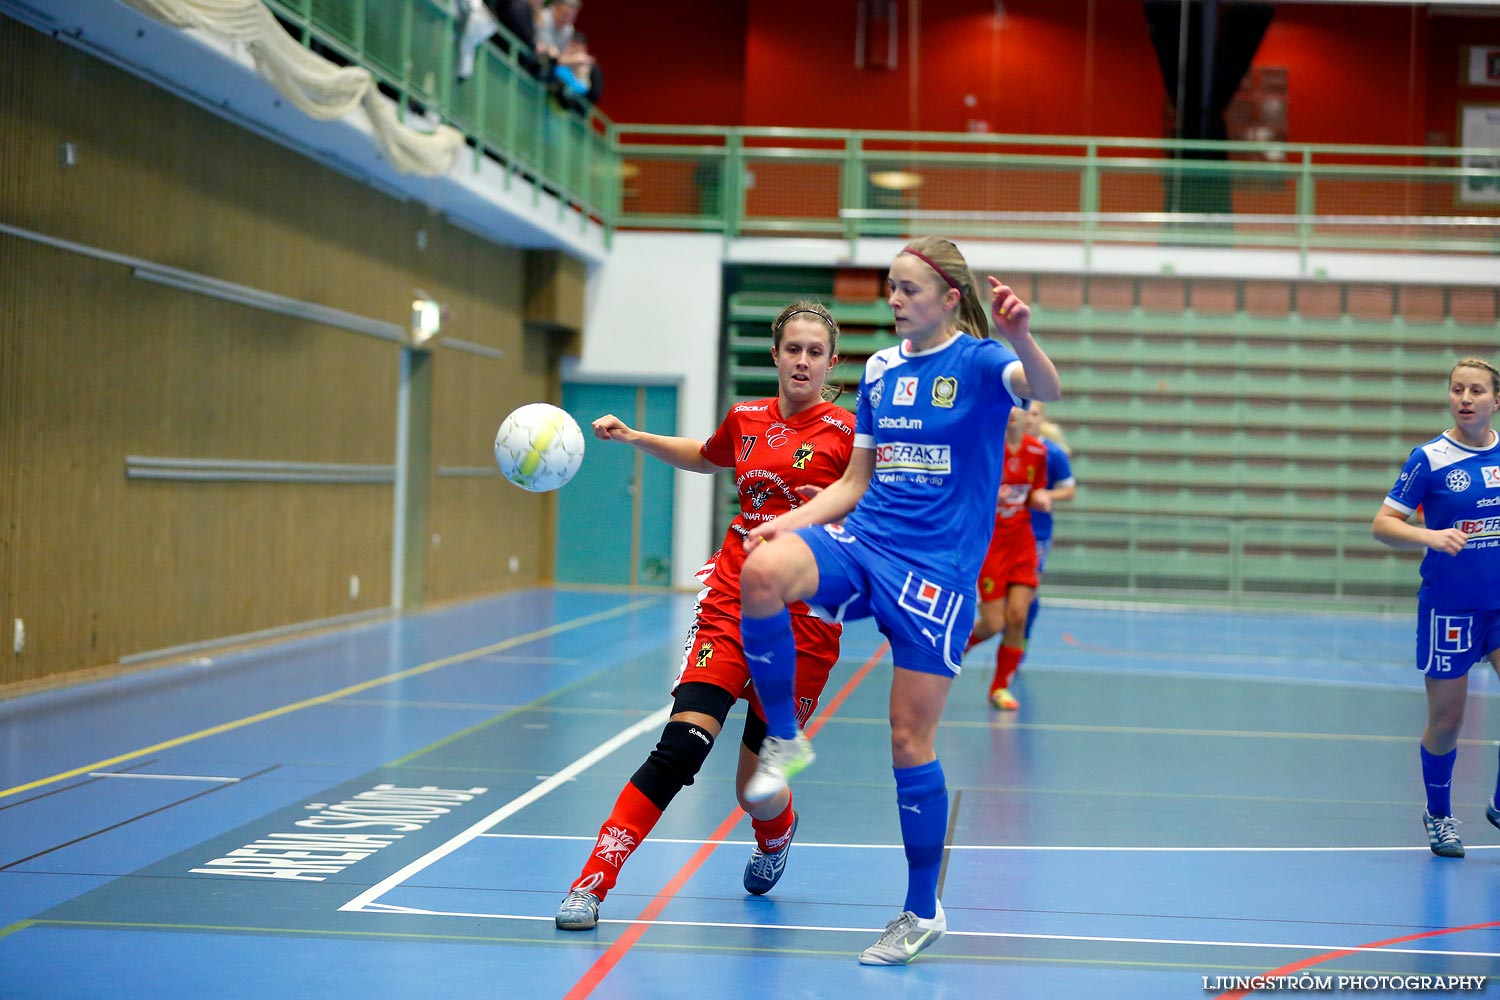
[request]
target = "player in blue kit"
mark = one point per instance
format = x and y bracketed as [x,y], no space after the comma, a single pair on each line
[1060,486]
[1455,478]
[917,502]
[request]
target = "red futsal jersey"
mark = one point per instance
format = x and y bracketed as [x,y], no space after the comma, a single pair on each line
[1025,469]
[1011,557]
[771,457]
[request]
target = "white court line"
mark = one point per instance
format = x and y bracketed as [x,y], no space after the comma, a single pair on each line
[160,777]
[653,721]
[988,935]
[1008,847]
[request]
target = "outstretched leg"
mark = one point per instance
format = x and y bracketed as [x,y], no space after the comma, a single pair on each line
[776,574]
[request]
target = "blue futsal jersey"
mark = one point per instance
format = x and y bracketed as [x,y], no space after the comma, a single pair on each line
[936,420]
[1457,487]
[1059,474]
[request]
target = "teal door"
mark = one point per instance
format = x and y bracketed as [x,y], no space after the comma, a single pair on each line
[614,520]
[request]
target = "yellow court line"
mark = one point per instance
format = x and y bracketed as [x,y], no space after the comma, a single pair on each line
[508,714]
[322,699]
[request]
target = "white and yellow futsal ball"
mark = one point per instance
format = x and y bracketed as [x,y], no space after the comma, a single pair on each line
[539,447]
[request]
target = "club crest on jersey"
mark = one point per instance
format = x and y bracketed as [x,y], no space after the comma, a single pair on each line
[759,493]
[801,455]
[1491,476]
[615,845]
[877,390]
[705,653]
[1457,480]
[944,392]
[906,391]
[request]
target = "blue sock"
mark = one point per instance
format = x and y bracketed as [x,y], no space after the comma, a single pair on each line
[1036,605]
[771,655]
[922,800]
[1437,774]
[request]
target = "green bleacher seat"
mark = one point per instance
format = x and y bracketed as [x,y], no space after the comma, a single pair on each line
[1215,453]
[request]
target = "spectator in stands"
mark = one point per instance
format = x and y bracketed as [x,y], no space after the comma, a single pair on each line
[475,23]
[1453,477]
[577,80]
[519,17]
[554,27]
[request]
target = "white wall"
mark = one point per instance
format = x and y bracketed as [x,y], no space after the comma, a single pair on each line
[652,316]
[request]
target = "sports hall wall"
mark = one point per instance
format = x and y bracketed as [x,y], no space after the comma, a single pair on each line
[97,365]
[1374,73]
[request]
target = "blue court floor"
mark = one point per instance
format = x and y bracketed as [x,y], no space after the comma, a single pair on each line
[1187,799]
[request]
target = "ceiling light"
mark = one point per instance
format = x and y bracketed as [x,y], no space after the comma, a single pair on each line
[896,180]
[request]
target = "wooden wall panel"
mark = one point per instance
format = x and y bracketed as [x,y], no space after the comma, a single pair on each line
[554,289]
[96,364]
[478,523]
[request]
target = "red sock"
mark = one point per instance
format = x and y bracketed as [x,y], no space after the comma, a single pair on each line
[771,834]
[629,823]
[1007,662]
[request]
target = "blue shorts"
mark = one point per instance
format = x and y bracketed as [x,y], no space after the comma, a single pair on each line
[926,621]
[1450,642]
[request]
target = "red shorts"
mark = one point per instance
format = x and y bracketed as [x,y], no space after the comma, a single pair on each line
[1011,559]
[713,654]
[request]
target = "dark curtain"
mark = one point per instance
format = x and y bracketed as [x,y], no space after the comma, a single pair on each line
[1222,39]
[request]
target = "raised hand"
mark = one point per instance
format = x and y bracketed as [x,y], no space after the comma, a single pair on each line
[1012,316]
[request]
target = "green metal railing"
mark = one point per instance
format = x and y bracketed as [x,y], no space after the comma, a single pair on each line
[1088,191]
[847,185]
[411,46]
[1246,561]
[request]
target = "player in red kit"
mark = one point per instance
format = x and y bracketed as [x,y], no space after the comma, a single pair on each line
[781,449]
[1008,579]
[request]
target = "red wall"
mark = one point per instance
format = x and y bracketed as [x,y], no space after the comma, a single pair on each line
[669,61]
[1447,88]
[1356,73]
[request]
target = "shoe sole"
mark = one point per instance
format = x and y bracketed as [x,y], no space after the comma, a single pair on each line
[866,959]
[755,790]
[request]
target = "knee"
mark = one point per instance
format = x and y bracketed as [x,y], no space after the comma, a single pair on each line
[1443,725]
[760,583]
[911,744]
[675,762]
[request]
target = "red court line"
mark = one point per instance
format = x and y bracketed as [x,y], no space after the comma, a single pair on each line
[626,941]
[1287,970]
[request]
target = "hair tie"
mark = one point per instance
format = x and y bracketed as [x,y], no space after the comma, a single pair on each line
[941,273]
